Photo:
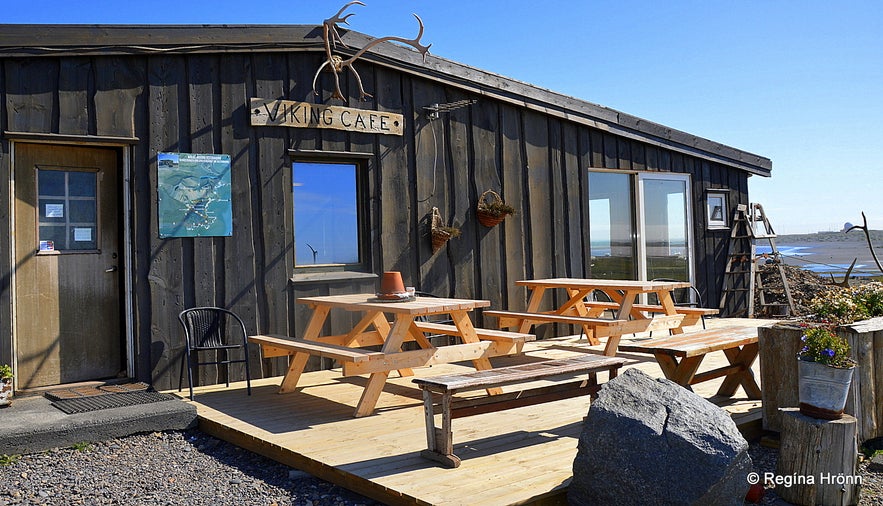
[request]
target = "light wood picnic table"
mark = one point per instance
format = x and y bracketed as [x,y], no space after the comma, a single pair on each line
[630,316]
[374,328]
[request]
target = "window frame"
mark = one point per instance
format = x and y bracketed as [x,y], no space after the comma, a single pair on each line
[361,163]
[67,225]
[723,223]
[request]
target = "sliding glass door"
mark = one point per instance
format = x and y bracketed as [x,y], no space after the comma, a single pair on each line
[640,225]
[611,226]
[666,214]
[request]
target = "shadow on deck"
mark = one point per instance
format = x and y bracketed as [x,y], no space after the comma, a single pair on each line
[518,456]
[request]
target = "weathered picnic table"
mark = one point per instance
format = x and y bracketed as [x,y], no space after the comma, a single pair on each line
[679,357]
[477,345]
[630,316]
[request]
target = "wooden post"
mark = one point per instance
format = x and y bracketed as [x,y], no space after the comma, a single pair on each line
[818,459]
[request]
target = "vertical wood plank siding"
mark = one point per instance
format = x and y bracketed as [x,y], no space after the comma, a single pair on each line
[198,103]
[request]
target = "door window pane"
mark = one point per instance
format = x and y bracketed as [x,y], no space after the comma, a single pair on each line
[326,218]
[51,183]
[611,222]
[666,228]
[67,213]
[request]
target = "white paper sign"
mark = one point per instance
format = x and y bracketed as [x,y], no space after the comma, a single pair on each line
[83,234]
[55,210]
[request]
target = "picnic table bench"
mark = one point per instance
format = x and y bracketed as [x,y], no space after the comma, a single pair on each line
[679,357]
[594,327]
[440,440]
[692,315]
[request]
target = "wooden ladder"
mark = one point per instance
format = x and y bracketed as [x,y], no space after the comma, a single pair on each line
[742,277]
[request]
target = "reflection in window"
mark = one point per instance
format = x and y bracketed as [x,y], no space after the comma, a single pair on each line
[67,213]
[611,226]
[717,210]
[666,228]
[326,218]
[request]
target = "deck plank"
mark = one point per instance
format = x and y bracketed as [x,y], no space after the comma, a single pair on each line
[517,456]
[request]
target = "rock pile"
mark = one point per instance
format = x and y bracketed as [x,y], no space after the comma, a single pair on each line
[804,286]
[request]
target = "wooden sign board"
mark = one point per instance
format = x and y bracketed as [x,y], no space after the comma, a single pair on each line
[272,112]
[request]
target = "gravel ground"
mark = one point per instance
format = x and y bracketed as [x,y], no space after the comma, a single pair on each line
[162,468]
[765,460]
[177,468]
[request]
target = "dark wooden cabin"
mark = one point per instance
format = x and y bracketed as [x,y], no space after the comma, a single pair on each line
[86,110]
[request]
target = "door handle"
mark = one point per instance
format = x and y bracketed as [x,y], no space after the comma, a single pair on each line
[112,268]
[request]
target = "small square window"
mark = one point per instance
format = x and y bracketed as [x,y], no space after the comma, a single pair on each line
[716,207]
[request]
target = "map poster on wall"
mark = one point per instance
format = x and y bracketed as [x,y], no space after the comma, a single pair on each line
[193,193]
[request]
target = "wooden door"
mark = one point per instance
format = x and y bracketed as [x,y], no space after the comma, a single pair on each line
[67,274]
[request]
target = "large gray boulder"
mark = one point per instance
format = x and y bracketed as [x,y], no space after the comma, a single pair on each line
[650,441]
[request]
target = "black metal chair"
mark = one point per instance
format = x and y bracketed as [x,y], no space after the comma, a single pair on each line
[208,329]
[682,297]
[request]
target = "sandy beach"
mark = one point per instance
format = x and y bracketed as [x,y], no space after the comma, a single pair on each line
[826,257]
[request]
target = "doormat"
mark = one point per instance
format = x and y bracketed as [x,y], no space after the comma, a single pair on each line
[93,391]
[111,400]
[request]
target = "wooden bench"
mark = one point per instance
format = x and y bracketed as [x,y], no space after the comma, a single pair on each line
[692,314]
[483,334]
[513,318]
[440,440]
[280,346]
[593,327]
[679,357]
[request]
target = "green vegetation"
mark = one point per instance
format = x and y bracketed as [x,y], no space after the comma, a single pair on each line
[82,446]
[849,305]
[6,460]
[5,372]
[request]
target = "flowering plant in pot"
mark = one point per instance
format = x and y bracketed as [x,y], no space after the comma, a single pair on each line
[5,385]
[825,370]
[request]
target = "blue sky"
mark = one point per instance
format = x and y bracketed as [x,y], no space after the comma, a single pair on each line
[800,82]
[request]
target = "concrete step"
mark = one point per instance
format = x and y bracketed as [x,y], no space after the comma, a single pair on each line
[32,424]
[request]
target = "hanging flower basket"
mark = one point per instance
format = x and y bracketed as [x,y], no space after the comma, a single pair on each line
[491,209]
[440,233]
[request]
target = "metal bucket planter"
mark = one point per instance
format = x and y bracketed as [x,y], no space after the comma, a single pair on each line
[822,390]
[5,392]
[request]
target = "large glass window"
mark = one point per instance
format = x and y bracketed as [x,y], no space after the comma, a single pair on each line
[666,227]
[640,225]
[611,222]
[67,215]
[326,213]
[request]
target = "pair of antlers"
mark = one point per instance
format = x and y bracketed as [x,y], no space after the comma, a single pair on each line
[337,64]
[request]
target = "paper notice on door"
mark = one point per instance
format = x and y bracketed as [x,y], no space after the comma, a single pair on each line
[82,234]
[55,210]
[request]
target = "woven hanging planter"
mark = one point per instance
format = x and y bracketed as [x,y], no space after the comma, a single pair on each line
[492,212]
[440,234]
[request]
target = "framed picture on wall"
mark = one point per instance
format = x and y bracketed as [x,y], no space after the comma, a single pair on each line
[716,208]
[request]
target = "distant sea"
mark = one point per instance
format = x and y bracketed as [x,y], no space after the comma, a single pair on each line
[826,257]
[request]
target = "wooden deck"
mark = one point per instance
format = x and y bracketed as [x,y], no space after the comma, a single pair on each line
[518,456]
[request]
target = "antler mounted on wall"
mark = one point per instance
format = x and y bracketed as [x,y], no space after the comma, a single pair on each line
[336,63]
